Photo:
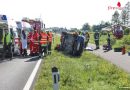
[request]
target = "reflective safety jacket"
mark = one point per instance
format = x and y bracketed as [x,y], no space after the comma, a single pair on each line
[8,39]
[35,38]
[44,38]
[50,37]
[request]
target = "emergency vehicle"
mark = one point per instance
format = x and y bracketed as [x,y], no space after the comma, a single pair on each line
[14,29]
[4,25]
[37,25]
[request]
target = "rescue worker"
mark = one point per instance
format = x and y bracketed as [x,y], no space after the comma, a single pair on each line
[43,42]
[30,40]
[7,40]
[35,43]
[24,43]
[96,38]
[20,43]
[62,38]
[109,41]
[49,41]
[87,36]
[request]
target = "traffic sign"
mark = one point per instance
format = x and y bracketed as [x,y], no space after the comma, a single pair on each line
[3,18]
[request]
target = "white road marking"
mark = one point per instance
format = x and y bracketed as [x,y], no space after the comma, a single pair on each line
[32,76]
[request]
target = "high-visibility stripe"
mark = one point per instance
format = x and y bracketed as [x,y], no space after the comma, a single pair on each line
[36,43]
[50,37]
[43,41]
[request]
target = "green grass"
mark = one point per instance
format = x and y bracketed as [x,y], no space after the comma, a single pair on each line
[116,42]
[88,72]
[103,39]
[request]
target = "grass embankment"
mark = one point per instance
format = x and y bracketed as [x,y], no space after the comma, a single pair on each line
[88,72]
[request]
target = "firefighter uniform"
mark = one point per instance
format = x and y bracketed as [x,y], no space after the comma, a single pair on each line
[109,42]
[96,38]
[87,36]
[43,42]
[30,40]
[35,42]
[7,44]
[49,42]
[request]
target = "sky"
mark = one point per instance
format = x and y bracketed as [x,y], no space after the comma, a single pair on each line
[61,13]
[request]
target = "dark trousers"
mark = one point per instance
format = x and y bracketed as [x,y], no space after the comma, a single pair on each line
[86,43]
[97,44]
[49,47]
[7,49]
[24,52]
[43,49]
[109,44]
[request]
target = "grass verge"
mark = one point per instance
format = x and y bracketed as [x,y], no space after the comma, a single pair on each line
[88,72]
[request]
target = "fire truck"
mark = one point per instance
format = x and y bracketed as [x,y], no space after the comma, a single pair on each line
[37,25]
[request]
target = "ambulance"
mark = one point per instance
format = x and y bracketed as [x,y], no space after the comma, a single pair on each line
[4,25]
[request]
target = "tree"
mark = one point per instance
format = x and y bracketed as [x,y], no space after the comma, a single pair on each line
[115,18]
[86,27]
[99,27]
[124,16]
[96,27]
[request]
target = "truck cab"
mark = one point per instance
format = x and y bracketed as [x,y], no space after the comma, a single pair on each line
[4,26]
[1,36]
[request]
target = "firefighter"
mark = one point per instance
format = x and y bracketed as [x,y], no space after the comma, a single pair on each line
[109,41]
[35,42]
[87,36]
[96,38]
[49,41]
[30,40]
[24,43]
[43,42]
[7,40]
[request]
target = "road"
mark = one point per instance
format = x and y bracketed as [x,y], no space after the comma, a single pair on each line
[122,61]
[15,74]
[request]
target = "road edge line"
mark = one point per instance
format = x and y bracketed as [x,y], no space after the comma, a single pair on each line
[32,76]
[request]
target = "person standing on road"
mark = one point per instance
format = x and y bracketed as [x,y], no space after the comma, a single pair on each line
[43,42]
[49,41]
[96,38]
[30,40]
[87,36]
[7,40]
[109,41]
[36,42]
[24,43]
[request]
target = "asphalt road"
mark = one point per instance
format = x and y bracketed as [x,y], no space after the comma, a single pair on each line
[14,74]
[122,61]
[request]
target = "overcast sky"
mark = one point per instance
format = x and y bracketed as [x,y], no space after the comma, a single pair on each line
[61,13]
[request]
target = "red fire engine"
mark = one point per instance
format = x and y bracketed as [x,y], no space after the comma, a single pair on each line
[33,36]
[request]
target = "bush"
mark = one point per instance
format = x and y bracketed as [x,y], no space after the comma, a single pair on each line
[126,40]
[113,41]
[126,31]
